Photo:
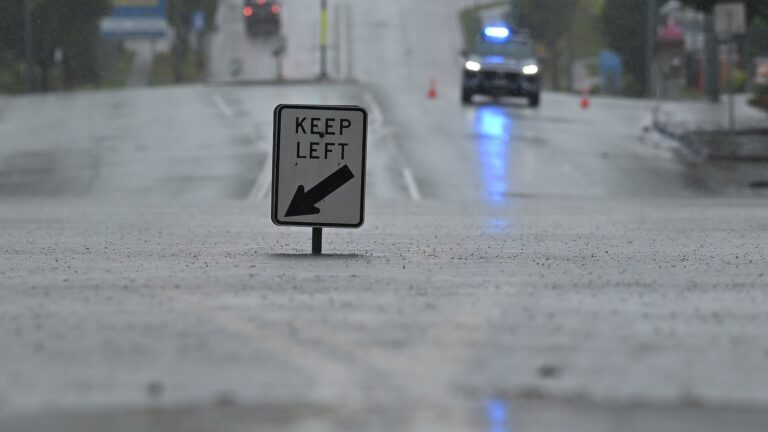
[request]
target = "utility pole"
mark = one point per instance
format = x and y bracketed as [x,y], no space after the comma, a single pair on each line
[323,39]
[176,48]
[28,45]
[711,59]
[650,48]
[730,50]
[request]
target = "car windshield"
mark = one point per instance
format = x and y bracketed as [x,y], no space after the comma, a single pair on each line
[383,215]
[518,49]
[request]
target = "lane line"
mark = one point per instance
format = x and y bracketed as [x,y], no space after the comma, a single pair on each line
[377,116]
[410,185]
[265,179]
[377,126]
[223,107]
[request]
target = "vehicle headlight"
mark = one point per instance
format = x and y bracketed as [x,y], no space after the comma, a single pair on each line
[530,69]
[473,66]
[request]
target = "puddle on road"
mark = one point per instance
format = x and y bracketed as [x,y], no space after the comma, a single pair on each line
[536,415]
[496,415]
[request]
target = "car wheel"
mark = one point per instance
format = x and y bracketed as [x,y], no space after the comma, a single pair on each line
[466,96]
[534,100]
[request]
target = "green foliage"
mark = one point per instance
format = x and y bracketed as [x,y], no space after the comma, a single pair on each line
[546,25]
[69,27]
[761,97]
[180,17]
[164,70]
[739,81]
[180,12]
[116,63]
[549,28]
[11,27]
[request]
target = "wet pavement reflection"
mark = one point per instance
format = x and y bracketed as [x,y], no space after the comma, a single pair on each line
[493,128]
[498,414]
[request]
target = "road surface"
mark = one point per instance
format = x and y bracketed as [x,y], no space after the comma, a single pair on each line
[596,312]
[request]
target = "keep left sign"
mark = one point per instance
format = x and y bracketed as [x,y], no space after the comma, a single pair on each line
[318,166]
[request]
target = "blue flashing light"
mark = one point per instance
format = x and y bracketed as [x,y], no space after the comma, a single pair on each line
[496,33]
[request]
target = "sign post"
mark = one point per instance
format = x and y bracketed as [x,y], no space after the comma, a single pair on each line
[730,21]
[318,167]
[323,39]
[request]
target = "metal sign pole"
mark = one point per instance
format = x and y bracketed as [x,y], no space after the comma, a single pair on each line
[729,52]
[317,241]
[650,47]
[730,21]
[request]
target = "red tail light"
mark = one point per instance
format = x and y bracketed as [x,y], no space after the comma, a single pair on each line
[275,9]
[247,11]
[261,2]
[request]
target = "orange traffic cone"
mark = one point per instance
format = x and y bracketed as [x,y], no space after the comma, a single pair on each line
[432,93]
[585,102]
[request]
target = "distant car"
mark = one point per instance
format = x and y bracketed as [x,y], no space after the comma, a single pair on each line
[501,64]
[262,17]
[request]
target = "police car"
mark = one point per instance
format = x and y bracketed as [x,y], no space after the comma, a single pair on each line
[501,64]
[262,17]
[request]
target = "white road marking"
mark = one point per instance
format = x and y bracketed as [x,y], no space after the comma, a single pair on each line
[223,107]
[376,121]
[377,117]
[410,185]
[265,179]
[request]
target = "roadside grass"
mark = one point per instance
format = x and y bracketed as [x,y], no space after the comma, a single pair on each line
[162,70]
[114,74]
[12,78]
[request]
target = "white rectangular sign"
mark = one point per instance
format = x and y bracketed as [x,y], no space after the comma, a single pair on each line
[730,19]
[318,166]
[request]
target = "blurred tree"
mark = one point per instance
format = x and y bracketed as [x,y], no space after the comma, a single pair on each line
[624,24]
[69,27]
[547,27]
[79,37]
[180,16]
[11,26]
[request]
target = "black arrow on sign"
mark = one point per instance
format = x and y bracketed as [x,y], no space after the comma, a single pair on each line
[303,203]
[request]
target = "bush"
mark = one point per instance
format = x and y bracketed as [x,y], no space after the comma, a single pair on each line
[761,97]
[739,80]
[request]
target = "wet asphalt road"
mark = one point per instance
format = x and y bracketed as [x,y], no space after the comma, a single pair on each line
[592,310]
[520,270]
